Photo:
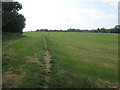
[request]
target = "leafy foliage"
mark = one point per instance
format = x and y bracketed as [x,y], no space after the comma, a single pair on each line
[12,21]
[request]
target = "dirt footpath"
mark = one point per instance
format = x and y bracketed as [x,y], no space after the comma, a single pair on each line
[47,58]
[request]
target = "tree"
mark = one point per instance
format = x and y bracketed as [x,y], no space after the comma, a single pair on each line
[12,21]
[103,30]
[117,29]
[98,30]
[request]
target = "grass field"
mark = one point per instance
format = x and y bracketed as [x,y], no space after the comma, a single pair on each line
[77,60]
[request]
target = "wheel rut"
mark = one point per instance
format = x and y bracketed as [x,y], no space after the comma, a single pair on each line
[47,58]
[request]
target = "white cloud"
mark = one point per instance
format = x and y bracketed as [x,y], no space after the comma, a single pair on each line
[92,18]
[60,14]
[112,2]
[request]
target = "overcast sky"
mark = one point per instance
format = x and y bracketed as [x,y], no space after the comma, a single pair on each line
[64,14]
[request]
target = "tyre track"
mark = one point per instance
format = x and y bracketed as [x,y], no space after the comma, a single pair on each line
[47,64]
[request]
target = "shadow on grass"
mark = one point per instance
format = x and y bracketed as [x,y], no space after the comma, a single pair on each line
[12,36]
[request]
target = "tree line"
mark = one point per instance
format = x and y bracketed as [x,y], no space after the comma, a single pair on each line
[116,29]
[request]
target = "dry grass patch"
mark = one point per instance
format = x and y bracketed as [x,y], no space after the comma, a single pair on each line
[12,80]
[114,85]
[32,60]
[7,54]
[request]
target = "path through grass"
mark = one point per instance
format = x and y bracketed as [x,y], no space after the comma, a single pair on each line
[79,60]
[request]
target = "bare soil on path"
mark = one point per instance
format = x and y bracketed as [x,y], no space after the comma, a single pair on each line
[47,58]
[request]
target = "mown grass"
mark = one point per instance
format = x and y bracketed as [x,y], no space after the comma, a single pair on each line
[79,60]
[83,59]
[24,52]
